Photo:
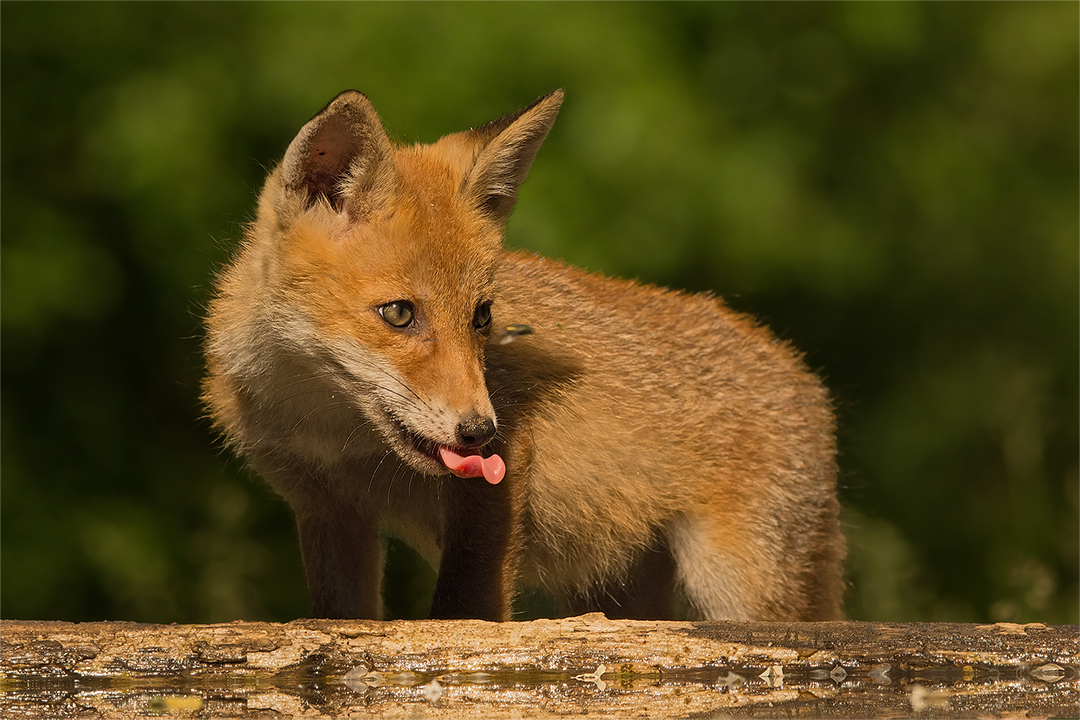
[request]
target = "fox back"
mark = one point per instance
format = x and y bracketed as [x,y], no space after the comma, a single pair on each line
[386,366]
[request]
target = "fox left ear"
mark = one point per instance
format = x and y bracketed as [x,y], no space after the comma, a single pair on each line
[344,156]
[509,147]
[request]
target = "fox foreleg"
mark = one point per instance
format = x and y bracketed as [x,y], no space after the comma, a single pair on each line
[480,551]
[343,561]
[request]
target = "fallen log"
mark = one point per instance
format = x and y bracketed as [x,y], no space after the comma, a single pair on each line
[588,665]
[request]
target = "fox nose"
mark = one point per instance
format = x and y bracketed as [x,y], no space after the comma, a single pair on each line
[475,430]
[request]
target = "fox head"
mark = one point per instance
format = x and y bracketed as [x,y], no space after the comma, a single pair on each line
[368,281]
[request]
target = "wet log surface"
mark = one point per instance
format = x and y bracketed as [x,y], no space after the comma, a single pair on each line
[574,667]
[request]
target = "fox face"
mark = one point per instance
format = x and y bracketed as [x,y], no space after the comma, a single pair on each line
[402,333]
[376,266]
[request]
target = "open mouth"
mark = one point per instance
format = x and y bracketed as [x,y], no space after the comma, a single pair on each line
[420,445]
[434,458]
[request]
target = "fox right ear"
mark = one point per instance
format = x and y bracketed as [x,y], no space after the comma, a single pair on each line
[344,156]
[508,148]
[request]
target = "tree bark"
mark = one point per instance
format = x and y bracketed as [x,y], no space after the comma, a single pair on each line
[567,668]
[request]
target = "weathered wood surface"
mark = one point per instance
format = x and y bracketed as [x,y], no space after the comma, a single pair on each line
[587,665]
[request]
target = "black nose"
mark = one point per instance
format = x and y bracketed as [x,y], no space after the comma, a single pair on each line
[475,430]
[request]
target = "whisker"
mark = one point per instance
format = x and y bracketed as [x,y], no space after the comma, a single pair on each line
[310,414]
[342,370]
[371,480]
[364,424]
[390,485]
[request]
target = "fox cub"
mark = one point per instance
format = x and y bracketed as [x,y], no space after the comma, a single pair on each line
[385,365]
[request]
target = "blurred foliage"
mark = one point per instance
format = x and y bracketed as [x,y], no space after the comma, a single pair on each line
[892,186]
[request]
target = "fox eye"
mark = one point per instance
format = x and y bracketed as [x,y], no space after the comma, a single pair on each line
[482,317]
[398,313]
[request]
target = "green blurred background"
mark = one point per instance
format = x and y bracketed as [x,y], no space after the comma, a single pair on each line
[892,186]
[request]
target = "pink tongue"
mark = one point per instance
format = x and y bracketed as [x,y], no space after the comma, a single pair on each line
[491,468]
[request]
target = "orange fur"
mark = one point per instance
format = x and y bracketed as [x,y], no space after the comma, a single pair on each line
[656,442]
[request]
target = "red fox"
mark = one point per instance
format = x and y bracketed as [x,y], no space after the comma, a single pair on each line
[385,365]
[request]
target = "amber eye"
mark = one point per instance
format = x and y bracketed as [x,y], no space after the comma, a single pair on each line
[398,313]
[482,317]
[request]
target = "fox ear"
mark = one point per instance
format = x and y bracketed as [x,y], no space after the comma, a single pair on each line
[343,155]
[508,147]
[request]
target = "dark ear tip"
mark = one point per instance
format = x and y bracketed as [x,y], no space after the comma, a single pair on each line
[349,95]
[345,97]
[555,98]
